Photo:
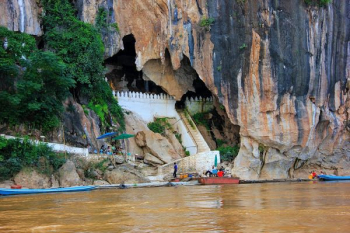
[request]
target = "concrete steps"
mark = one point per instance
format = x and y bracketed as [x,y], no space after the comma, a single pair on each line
[202,145]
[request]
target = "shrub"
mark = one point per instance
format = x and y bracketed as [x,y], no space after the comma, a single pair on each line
[320,3]
[199,119]
[19,153]
[81,48]
[228,153]
[206,22]
[159,125]
[34,95]
[243,46]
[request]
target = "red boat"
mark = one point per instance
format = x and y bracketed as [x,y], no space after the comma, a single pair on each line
[219,180]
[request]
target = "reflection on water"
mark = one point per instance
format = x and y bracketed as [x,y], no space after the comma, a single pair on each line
[282,207]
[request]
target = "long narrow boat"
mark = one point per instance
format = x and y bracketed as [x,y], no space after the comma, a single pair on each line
[219,180]
[4,191]
[328,177]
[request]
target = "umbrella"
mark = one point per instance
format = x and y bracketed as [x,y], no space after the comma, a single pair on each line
[216,161]
[106,135]
[124,136]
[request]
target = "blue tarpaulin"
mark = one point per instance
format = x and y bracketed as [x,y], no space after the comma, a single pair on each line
[106,135]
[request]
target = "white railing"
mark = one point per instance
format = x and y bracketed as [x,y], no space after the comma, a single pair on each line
[140,95]
[199,163]
[58,147]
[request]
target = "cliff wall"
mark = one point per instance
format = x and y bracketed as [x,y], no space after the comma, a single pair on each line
[280,69]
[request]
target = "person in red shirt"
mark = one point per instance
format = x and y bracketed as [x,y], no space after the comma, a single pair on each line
[314,175]
[220,173]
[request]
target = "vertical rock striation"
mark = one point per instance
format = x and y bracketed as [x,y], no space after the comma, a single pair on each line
[21,15]
[280,68]
[283,80]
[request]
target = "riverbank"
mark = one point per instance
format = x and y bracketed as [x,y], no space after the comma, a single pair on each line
[192,183]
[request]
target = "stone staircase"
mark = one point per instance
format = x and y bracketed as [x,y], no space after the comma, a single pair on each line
[192,129]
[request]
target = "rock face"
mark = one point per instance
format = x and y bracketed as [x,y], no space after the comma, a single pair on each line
[279,68]
[81,127]
[286,92]
[152,159]
[125,174]
[21,15]
[30,178]
[157,145]
[164,149]
[68,175]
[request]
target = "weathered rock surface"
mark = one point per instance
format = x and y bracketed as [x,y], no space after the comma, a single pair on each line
[146,141]
[6,184]
[68,175]
[125,174]
[280,69]
[101,182]
[81,129]
[157,145]
[21,15]
[30,178]
[149,158]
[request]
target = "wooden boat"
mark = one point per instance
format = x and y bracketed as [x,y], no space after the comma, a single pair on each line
[219,180]
[329,177]
[4,191]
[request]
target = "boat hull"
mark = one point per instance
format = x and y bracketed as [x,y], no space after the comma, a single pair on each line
[219,180]
[328,177]
[51,190]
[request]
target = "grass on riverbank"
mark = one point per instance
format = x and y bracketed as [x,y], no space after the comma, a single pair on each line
[16,154]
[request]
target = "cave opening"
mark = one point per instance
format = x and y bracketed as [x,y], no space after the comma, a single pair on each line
[122,74]
[199,89]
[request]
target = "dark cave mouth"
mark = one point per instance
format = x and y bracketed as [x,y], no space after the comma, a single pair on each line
[122,74]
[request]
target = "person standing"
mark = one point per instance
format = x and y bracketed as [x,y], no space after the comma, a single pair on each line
[175,170]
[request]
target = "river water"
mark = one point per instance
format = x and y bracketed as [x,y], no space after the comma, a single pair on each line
[270,207]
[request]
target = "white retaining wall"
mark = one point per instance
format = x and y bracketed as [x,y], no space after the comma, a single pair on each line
[59,147]
[199,163]
[196,105]
[149,106]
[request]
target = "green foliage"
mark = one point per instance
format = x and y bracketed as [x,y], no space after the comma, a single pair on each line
[92,166]
[81,48]
[193,126]
[17,154]
[115,26]
[262,148]
[228,153]
[159,125]
[178,137]
[101,19]
[187,153]
[243,46]
[200,119]
[206,22]
[102,23]
[220,142]
[320,3]
[31,93]
[77,43]
[219,68]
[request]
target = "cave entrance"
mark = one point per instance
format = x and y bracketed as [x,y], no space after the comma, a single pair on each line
[200,91]
[122,74]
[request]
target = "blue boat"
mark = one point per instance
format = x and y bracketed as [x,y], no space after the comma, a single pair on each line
[51,190]
[328,177]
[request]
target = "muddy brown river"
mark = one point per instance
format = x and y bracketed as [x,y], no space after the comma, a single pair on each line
[273,207]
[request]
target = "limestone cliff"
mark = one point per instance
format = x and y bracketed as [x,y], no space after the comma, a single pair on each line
[280,69]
